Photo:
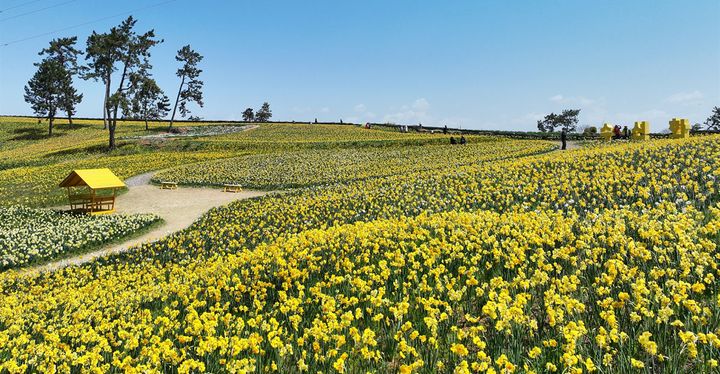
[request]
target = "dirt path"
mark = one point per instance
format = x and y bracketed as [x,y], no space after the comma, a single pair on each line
[202,131]
[572,144]
[179,208]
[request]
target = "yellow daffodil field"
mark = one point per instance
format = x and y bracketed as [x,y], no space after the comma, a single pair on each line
[322,166]
[500,256]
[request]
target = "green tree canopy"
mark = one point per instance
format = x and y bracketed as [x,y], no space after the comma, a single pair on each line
[713,122]
[124,50]
[63,51]
[567,120]
[46,89]
[264,113]
[248,115]
[147,100]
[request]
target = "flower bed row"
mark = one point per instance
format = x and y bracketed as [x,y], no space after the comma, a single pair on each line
[35,235]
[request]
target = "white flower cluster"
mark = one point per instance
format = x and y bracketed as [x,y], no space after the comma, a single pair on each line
[194,131]
[30,235]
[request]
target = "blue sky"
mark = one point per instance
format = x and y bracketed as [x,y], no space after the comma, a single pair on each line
[474,64]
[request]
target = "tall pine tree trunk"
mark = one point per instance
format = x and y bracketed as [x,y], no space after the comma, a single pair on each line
[105,103]
[112,117]
[177,98]
[69,118]
[111,130]
[145,115]
[50,125]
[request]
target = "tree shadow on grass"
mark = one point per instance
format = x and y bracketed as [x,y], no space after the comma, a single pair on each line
[40,132]
[32,133]
[123,148]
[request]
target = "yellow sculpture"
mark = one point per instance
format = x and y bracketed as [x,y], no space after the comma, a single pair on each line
[641,131]
[606,132]
[679,128]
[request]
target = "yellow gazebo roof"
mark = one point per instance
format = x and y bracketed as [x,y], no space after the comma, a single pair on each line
[96,179]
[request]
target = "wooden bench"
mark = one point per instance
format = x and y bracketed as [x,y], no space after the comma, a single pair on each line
[102,204]
[93,204]
[79,201]
[229,187]
[165,185]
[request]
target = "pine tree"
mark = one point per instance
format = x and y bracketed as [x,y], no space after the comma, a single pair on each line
[190,86]
[713,122]
[46,89]
[567,120]
[248,115]
[63,51]
[264,114]
[122,46]
[147,100]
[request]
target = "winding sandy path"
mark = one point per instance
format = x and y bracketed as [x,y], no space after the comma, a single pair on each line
[571,144]
[178,208]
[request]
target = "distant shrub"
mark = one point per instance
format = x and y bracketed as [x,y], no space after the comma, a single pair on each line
[590,130]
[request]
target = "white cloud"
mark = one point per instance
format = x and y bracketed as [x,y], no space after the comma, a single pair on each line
[654,116]
[459,122]
[524,122]
[532,118]
[362,118]
[592,110]
[362,114]
[685,97]
[572,100]
[417,112]
[421,105]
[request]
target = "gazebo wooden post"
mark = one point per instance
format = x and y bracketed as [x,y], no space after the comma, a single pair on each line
[92,201]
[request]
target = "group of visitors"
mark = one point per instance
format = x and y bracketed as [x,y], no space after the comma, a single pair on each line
[621,134]
[618,133]
[461,141]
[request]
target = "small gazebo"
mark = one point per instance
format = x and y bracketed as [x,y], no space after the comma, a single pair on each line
[92,190]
